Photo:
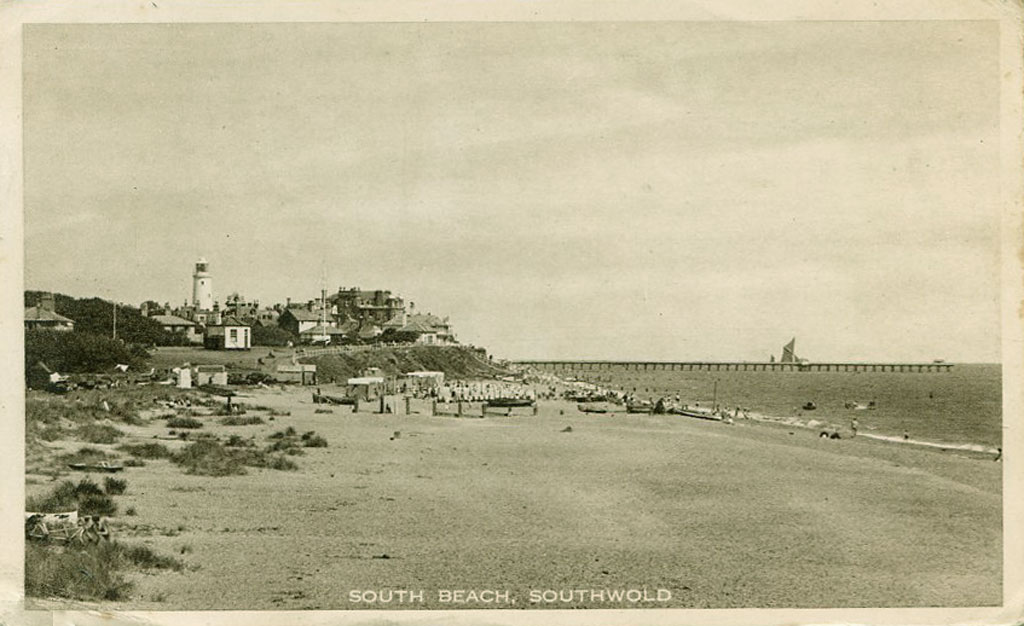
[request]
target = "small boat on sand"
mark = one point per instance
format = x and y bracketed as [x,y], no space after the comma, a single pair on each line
[698,412]
[593,407]
[97,467]
[323,398]
[508,402]
[639,407]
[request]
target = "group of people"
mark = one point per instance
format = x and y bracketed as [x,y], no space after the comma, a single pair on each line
[479,391]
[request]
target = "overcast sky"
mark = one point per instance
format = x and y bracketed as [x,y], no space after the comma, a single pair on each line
[624,191]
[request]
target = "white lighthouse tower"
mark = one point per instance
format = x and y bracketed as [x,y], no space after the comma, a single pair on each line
[202,286]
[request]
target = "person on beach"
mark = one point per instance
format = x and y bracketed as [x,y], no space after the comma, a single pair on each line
[853,426]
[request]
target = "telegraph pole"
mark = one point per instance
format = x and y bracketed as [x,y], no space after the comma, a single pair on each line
[115,320]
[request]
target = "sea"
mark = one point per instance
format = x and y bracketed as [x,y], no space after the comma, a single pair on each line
[962,407]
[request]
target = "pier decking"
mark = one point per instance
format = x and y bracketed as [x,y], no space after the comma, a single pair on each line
[734,366]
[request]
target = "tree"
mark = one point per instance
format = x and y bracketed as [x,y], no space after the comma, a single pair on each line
[96,316]
[79,352]
[271,336]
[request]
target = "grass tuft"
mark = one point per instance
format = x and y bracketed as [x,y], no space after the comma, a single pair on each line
[146,450]
[114,486]
[98,433]
[184,422]
[240,420]
[85,496]
[91,572]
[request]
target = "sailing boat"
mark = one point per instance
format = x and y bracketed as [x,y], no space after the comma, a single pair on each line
[789,352]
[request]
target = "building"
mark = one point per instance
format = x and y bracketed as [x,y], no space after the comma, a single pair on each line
[237,306]
[230,334]
[374,307]
[43,317]
[203,309]
[175,324]
[429,329]
[267,316]
[302,373]
[317,333]
[202,286]
[298,320]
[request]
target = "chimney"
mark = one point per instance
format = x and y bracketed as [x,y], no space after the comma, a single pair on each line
[46,302]
[287,303]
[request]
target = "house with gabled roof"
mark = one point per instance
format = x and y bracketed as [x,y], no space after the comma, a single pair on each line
[43,317]
[230,334]
[298,320]
[179,325]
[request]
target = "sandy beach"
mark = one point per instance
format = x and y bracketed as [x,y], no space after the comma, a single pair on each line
[713,515]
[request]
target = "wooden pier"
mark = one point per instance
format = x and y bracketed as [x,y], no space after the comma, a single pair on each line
[732,366]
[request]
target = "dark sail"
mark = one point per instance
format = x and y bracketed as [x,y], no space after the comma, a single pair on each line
[788,351]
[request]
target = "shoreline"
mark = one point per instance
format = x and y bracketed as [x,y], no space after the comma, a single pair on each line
[806,424]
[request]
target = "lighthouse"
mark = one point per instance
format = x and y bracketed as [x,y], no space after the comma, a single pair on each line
[202,286]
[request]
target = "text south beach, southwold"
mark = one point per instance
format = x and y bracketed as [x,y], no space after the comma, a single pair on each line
[506,597]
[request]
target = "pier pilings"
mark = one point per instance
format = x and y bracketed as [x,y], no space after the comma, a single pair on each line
[735,366]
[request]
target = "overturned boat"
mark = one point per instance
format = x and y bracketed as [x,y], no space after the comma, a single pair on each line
[509,402]
[594,407]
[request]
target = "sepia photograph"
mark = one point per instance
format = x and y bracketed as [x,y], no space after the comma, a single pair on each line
[534,315]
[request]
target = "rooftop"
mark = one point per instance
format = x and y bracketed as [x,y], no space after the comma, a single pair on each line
[39,314]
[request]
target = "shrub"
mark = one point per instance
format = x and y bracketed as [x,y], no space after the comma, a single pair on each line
[86,455]
[242,421]
[282,434]
[146,450]
[133,462]
[208,458]
[86,496]
[51,433]
[313,440]
[235,441]
[271,336]
[91,572]
[288,446]
[102,505]
[114,486]
[98,433]
[130,511]
[183,422]
[86,574]
[282,463]
[78,351]
[144,557]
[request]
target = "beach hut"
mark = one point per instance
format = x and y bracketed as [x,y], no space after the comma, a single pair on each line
[424,381]
[366,387]
[302,373]
[211,375]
